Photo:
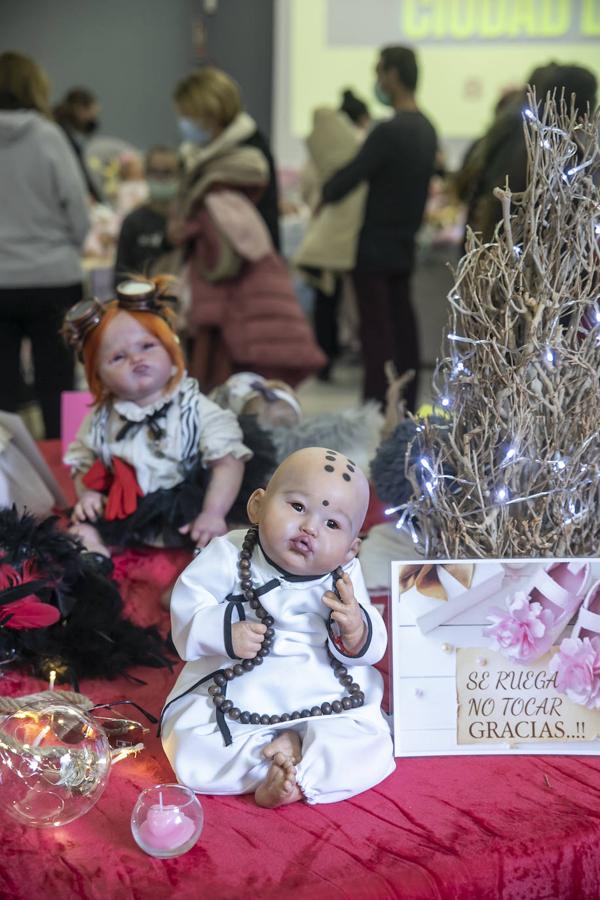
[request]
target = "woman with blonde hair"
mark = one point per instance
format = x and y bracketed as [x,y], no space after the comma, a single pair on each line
[243,313]
[43,224]
[212,120]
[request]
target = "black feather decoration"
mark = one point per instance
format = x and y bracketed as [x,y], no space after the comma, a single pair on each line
[92,638]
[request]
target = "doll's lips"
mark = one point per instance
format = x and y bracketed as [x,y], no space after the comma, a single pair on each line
[141,369]
[302,545]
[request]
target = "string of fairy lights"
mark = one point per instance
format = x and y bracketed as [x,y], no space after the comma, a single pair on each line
[457,374]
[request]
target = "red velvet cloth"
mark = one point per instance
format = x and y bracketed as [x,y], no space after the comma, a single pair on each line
[445,828]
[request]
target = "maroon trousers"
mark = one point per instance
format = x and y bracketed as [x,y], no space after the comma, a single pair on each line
[388,330]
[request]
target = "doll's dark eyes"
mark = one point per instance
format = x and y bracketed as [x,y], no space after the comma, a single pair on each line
[297,506]
[331,523]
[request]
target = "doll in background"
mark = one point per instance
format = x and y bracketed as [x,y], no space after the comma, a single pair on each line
[155,462]
[274,426]
[264,408]
[273,402]
[275,624]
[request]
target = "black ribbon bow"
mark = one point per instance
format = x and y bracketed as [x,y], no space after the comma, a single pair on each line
[151,422]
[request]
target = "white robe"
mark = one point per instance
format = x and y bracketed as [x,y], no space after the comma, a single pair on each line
[342,754]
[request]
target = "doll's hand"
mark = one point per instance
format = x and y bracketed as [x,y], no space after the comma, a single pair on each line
[88,507]
[247,638]
[346,613]
[204,528]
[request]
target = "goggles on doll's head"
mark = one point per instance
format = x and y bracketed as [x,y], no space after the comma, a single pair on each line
[134,295]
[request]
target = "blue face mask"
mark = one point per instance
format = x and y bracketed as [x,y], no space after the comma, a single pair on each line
[381,95]
[194,133]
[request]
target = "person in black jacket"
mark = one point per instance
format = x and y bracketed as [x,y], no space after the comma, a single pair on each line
[397,161]
[77,115]
[501,153]
[143,236]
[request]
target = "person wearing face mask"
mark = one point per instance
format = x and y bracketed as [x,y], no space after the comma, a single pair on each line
[212,122]
[396,162]
[77,114]
[143,237]
[243,313]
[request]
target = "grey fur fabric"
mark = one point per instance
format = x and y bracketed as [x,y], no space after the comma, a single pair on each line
[388,466]
[353,432]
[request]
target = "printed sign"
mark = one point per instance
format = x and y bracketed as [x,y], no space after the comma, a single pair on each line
[498,702]
[496,656]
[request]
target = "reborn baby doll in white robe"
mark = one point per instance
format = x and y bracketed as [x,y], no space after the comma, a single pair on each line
[276,625]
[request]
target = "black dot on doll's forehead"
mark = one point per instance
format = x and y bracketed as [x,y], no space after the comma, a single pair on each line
[325,502]
[329,469]
[346,477]
[350,468]
[330,457]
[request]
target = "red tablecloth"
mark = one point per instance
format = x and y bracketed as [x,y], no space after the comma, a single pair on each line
[475,827]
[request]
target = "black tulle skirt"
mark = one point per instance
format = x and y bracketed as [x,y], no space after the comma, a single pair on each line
[257,470]
[160,514]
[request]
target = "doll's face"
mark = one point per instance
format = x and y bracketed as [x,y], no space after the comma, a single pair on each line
[132,362]
[311,512]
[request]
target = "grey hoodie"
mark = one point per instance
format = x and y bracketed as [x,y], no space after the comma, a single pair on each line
[43,204]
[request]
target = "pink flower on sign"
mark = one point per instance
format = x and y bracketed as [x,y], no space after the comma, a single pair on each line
[517,630]
[577,667]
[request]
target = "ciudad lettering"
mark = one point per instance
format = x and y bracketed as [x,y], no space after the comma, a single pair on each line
[497,19]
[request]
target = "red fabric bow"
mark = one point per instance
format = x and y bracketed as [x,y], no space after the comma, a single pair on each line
[120,484]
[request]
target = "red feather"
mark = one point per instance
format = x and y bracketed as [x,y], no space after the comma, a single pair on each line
[29,612]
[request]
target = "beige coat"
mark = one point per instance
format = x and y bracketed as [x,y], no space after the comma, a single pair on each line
[331,239]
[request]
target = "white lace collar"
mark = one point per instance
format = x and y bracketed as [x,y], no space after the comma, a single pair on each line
[131,411]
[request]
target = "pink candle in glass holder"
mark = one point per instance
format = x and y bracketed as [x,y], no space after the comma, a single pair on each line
[166,827]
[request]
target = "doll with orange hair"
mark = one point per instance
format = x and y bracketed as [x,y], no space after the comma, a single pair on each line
[155,461]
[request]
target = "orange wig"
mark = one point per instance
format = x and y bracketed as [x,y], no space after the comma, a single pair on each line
[153,323]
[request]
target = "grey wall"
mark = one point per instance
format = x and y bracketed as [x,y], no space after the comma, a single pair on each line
[240,40]
[131,53]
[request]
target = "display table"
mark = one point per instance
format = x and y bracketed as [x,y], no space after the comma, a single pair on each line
[494,827]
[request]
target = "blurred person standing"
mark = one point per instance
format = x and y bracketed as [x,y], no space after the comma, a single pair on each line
[328,249]
[77,114]
[212,121]
[43,224]
[243,313]
[143,237]
[502,152]
[396,161]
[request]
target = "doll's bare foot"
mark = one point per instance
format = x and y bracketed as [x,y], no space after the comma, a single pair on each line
[89,537]
[286,742]
[279,787]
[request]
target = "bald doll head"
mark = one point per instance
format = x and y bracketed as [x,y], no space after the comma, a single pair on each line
[311,512]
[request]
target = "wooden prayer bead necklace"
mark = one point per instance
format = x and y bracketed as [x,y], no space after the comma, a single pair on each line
[354,696]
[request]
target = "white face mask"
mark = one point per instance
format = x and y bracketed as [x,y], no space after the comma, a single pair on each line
[193,132]
[163,190]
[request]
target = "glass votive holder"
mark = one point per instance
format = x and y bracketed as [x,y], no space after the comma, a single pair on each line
[167,820]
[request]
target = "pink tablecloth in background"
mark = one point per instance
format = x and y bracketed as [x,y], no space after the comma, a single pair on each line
[468,828]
